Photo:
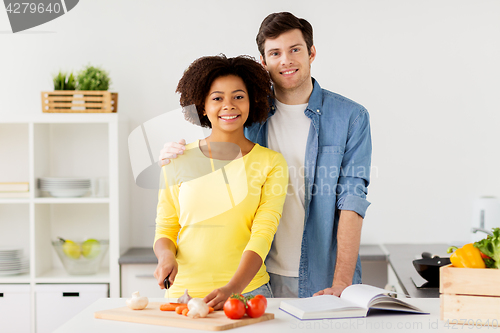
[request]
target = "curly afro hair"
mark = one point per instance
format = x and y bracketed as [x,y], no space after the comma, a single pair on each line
[195,84]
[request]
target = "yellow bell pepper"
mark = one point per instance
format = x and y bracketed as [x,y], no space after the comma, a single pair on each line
[467,257]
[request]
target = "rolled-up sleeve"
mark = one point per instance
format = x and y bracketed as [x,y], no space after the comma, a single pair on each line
[268,215]
[167,217]
[355,175]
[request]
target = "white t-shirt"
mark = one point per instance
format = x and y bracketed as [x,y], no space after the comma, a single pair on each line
[287,133]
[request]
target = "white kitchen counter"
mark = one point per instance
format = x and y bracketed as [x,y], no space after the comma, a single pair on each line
[283,322]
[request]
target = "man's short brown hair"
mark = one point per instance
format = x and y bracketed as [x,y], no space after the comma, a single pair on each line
[195,84]
[277,23]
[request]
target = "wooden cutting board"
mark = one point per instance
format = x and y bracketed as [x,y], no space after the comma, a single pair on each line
[215,321]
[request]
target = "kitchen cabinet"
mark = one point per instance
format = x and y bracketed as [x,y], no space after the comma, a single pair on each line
[64,145]
[139,277]
[137,267]
[57,303]
[15,305]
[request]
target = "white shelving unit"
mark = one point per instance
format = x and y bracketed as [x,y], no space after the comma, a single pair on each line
[64,145]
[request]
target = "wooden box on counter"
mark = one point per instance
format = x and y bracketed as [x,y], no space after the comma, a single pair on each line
[79,101]
[470,296]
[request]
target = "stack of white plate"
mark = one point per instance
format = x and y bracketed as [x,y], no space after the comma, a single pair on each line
[12,261]
[64,187]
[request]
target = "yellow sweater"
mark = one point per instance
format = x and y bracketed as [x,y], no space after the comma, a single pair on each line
[214,210]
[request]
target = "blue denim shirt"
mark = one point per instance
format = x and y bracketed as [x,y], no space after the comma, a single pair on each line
[336,177]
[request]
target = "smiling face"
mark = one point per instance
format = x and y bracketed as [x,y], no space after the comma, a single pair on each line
[288,62]
[227,104]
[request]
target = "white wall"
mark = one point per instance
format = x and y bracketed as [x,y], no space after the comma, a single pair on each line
[428,72]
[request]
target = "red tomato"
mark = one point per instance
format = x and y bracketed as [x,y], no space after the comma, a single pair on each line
[263,298]
[256,306]
[234,308]
[240,297]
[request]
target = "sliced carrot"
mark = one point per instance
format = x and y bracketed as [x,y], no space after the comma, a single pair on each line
[179,309]
[170,306]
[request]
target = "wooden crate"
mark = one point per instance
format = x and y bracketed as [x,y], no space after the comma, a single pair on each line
[76,101]
[470,296]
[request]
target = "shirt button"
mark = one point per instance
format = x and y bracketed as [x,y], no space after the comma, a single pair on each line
[317,110]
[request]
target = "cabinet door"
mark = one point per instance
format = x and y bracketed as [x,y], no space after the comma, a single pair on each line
[139,277]
[15,308]
[58,303]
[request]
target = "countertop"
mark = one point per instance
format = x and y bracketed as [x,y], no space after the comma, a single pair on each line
[283,322]
[145,255]
[401,258]
[138,255]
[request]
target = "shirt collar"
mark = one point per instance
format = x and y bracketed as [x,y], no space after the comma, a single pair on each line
[315,100]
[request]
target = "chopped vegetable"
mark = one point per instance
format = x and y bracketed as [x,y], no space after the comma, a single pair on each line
[179,309]
[467,256]
[490,246]
[170,306]
[137,302]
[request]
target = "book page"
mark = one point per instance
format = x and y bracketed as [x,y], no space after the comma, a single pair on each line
[367,296]
[319,304]
[394,304]
[361,294]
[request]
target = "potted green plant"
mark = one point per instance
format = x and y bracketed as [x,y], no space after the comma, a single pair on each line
[63,81]
[89,93]
[93,78]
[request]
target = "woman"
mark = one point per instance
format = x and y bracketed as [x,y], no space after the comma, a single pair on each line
[220,204]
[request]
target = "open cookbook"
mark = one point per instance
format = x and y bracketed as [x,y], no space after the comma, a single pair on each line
[356,301]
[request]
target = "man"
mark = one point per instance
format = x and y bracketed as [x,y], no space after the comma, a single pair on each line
[325,139]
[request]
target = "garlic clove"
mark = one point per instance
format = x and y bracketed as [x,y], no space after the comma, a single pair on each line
[184,299]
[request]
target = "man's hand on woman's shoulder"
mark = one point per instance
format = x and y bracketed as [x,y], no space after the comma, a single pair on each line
[170,151]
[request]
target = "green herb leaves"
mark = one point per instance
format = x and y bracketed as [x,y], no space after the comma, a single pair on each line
[90,78]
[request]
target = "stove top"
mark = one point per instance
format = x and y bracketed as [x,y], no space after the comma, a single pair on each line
[420,283]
